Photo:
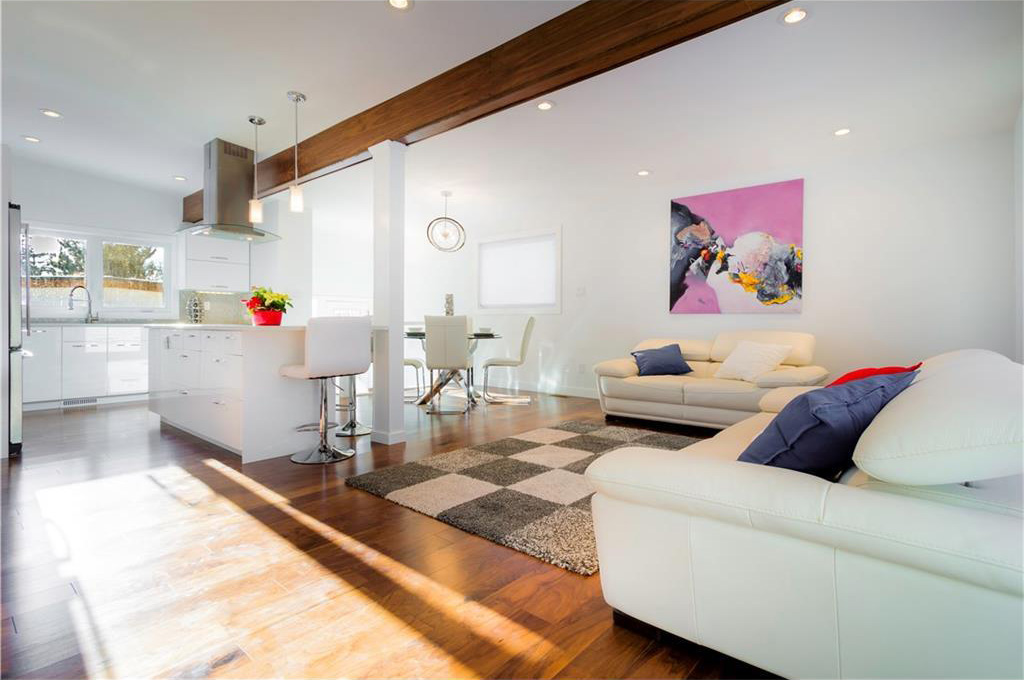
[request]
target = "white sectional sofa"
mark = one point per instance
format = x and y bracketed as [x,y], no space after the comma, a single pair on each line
[909,567]
[698,398]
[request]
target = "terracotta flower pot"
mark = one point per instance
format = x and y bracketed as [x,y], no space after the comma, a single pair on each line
[267,317]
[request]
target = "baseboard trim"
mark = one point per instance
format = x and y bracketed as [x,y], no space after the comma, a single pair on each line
[388,438]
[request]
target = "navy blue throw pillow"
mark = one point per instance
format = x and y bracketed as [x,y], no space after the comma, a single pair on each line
[667,360]
[817,432]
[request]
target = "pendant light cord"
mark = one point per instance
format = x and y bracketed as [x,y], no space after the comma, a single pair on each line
[295,154]
[255,159]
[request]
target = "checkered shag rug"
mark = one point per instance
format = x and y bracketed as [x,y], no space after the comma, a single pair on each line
[525,492]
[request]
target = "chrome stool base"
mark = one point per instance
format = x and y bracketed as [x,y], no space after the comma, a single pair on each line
[319,456]
[352,429]
[313,427]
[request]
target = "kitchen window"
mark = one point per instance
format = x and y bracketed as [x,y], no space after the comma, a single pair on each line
[127,275]
[56,265]
[133,275]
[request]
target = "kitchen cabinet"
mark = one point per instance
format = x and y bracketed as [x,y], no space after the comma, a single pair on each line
[215,264]
[230,391]
[216,250]
[84,364]
[127,361]
[42,363]
[204,275]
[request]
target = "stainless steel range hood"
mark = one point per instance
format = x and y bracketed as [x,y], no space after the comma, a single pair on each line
[227,188]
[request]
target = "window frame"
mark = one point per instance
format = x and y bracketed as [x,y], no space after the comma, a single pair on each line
[94,239]
[555,308]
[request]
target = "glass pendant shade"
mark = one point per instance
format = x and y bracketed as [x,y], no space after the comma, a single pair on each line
[256,211]
[295,202]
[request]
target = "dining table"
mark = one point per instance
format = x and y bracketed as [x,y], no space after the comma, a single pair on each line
[447,376]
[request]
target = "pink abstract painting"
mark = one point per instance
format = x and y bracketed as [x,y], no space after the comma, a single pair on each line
[738,251]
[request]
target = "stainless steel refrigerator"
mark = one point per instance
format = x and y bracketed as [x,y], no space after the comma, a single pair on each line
[18,311]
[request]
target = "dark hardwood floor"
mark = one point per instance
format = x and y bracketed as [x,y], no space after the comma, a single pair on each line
[134,550]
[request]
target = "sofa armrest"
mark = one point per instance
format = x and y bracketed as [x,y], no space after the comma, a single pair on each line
[790,376]
[617,368]
[777,399]
[966,544]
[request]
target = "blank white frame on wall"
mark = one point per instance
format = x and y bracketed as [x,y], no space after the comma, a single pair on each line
[520,273]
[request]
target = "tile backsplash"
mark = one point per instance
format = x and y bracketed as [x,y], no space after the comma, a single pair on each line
[223,307]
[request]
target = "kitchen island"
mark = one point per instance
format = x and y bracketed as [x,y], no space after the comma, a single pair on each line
[221,383]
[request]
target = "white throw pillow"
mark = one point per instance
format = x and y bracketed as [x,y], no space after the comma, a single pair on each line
[751,359]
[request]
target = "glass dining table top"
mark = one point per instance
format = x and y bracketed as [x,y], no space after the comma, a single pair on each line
[421,335]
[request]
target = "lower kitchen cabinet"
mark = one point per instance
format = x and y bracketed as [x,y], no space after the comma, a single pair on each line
[41,373]
[127,361]
[84,362]
[83,369]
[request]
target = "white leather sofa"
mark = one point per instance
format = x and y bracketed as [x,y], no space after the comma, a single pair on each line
[899,570]
[698,398]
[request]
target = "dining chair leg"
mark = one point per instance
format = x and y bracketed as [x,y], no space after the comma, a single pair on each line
[509,399]
[434,406]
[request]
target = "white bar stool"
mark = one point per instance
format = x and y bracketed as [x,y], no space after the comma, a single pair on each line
[352,426]
[335,346]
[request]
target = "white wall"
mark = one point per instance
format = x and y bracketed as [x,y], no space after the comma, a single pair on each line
[286,265]
[907,255]
[59,195]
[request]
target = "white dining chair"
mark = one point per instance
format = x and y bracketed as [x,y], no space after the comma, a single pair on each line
[417,367]
[447,350]
[335,346]
[509,362]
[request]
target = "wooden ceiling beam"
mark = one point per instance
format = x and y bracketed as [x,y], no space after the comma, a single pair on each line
[589,39]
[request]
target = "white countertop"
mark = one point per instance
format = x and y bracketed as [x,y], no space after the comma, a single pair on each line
[222,327]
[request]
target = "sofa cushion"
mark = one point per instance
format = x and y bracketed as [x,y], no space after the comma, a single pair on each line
[751,359]
[960,421]
[617,368]
[696,350]
[718,393]
[777,398]
[787,376]
[733,440]
[667,389]
[817,432]
[801,345]
[667,360]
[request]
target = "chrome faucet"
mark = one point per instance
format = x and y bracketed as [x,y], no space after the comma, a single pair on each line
[89,317]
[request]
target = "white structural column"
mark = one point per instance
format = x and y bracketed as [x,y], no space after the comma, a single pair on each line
[388,291]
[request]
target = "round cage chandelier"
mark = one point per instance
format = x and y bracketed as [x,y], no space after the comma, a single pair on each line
[445,233]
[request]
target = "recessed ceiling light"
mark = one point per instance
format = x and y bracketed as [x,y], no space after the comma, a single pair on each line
[546,105]
[180,178]
[794,15]
[842,132]
[399,4]
[643,173]
[30,138]
[50,113]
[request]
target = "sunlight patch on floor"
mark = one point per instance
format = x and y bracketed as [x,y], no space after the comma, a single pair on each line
[500,631]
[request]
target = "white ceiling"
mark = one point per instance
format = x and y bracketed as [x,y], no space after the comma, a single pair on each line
[754,99]
[143,85]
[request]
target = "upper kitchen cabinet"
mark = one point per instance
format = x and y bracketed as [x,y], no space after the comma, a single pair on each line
[215,264]
[216,249]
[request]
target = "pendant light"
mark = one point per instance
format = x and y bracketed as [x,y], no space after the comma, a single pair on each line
[295,202]
[444,233]
[255,205]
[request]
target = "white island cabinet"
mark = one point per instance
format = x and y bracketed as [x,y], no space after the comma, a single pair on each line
[222,384]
